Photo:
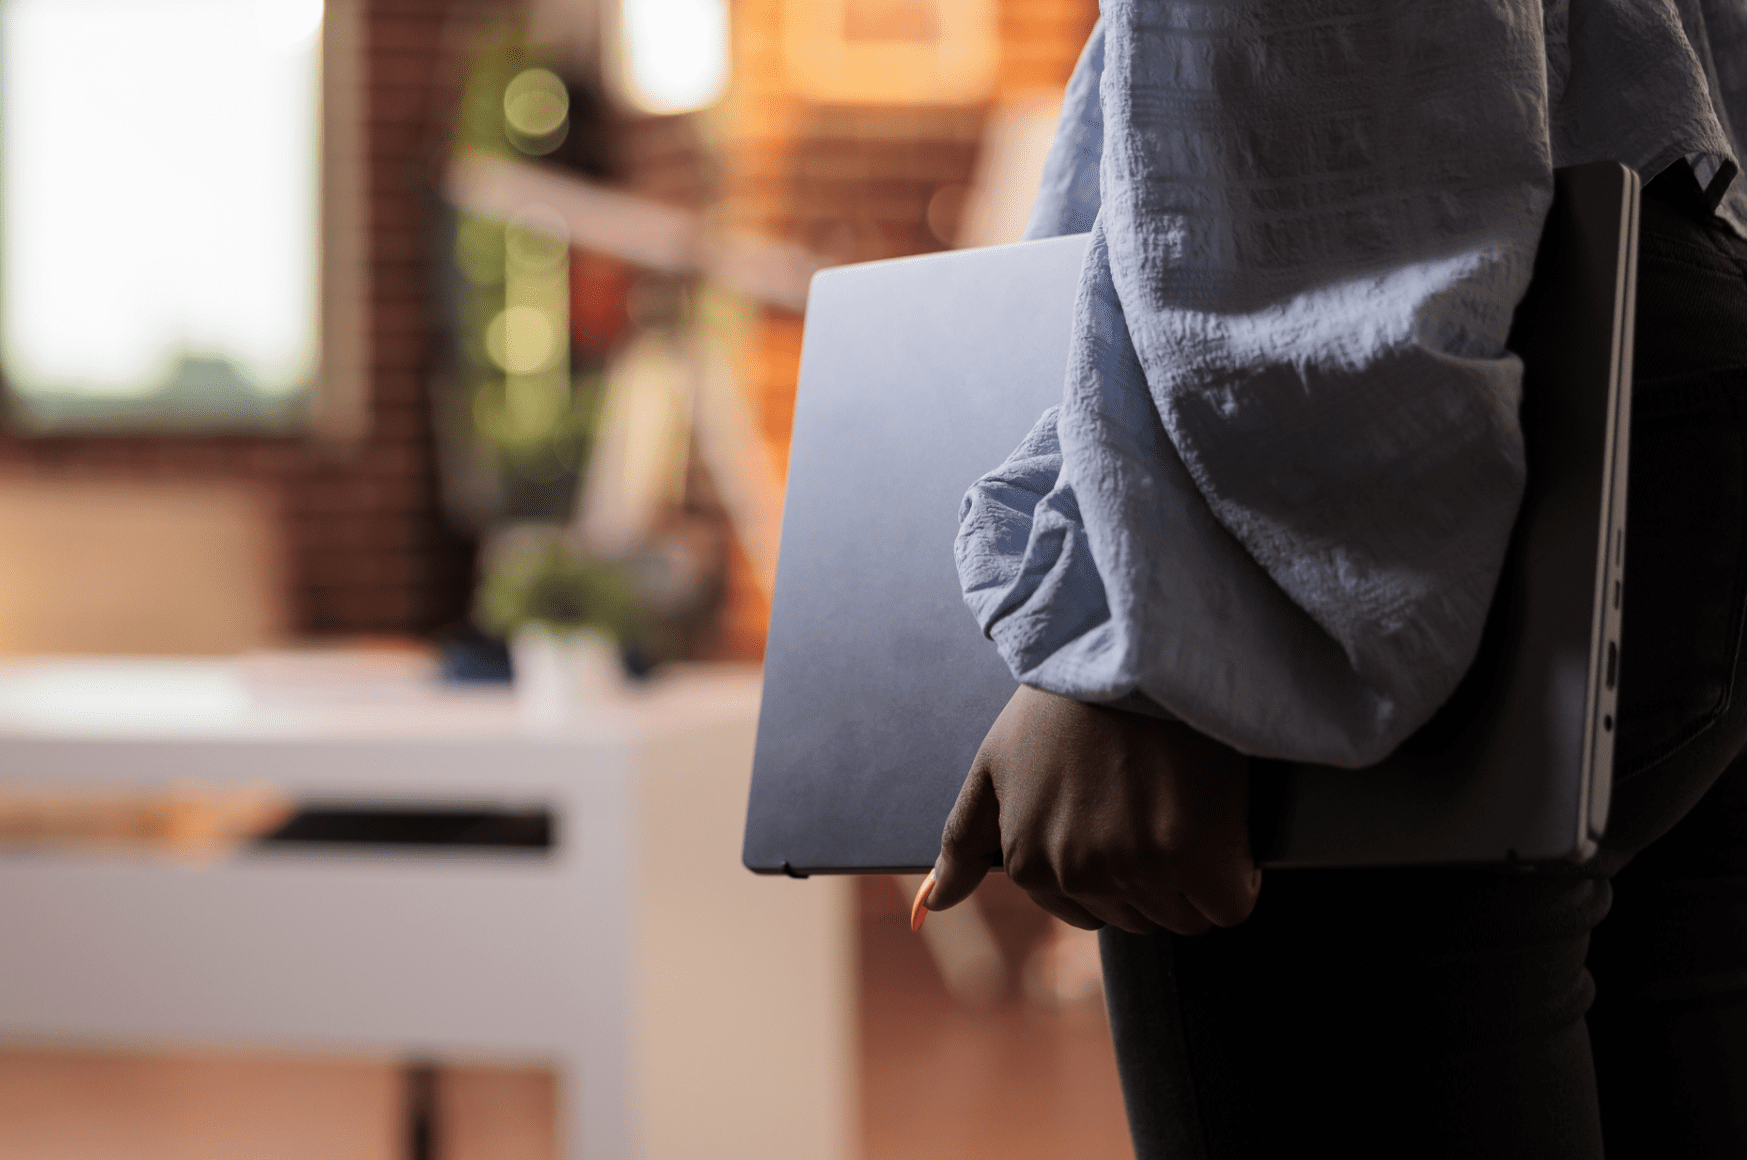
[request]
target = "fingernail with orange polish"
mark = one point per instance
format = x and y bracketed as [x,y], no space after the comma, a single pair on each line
[918,912]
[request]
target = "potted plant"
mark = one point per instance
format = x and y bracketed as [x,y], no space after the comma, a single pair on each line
[564,616]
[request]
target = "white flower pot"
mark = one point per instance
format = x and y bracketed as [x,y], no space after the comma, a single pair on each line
[559,673]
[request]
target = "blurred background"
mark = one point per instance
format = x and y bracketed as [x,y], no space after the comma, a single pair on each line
[357,356]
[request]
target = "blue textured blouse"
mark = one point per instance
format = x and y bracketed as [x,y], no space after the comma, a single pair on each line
[1275,498]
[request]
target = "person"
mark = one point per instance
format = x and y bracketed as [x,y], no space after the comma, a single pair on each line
[1265,522]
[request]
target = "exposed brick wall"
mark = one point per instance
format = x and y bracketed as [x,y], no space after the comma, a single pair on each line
[367,549]
[853,183]
[1041,41]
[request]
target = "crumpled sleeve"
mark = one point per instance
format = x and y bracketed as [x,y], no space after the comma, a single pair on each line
[1275,499]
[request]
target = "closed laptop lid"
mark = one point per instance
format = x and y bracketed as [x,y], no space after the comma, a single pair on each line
[918,375]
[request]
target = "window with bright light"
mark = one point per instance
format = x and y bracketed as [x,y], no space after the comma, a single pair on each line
[675,53]
[159,211]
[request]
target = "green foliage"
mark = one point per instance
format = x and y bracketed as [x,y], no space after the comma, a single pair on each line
[501,56]
[553,586]
[535,422]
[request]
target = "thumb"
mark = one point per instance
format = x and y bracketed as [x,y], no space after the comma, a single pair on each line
[971,842]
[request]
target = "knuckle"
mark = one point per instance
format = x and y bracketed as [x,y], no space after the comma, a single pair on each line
[1084,876]
[955,834]
[1168,837]
[1133,865]
[961,829]
[1113,869]
[1027,871]
[1096,870]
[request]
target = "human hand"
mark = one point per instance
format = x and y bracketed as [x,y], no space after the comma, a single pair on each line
[1103,816]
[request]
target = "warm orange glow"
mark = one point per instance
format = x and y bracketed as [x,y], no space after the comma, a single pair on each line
[892,52]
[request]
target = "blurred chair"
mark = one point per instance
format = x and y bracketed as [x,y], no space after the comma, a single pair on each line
[92,566]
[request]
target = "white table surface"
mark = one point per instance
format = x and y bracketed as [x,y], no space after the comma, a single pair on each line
[694,1009]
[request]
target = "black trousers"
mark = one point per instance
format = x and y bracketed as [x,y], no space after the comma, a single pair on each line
[1503,1013]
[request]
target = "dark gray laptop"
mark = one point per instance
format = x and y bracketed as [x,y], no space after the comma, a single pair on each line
[920,374]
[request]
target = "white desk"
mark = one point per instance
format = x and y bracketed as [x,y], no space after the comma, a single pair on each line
[694,1010]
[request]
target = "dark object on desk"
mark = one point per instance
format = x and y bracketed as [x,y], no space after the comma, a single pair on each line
[467,656]
[879,688]
[416,827]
